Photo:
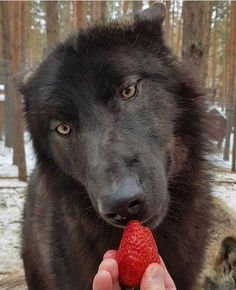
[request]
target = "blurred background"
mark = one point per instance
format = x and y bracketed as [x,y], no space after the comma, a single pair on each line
[201,33]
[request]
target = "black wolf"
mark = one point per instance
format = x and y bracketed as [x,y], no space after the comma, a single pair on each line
[118,128]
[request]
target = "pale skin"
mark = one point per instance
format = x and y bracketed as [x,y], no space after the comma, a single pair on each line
[156,276]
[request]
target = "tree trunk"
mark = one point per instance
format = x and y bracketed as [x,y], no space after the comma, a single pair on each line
[98,10]
[19,150]
[178,36]
[52,25]
[25,34]
[207,38]
[167,22]
[68,18]
[232,75]
[79,9]
[193,46]
[233,85]
[137,6]
[103,10]
[213,58]
[1,33]
[7,62]
[225,65]
[2,72]
[125,7]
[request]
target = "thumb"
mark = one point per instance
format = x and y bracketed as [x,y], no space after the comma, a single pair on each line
[153,278]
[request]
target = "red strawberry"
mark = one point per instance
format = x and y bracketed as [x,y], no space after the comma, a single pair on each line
[136,251]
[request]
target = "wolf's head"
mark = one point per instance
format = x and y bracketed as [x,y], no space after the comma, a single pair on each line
[113,109]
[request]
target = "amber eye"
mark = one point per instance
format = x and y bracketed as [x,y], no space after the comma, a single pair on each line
[128,92]
[63,129]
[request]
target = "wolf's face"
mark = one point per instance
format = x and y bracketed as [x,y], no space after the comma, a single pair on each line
[101,108]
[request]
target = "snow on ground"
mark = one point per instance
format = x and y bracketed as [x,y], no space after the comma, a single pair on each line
[6,157]
[224,185]
[11,207]
[12,195]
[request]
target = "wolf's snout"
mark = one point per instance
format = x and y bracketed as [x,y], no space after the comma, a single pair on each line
[124,202]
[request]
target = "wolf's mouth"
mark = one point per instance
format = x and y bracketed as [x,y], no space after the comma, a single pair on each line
[118,218]
[152,221]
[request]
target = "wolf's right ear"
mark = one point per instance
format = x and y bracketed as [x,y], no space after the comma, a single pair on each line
[149,22]
[155,13]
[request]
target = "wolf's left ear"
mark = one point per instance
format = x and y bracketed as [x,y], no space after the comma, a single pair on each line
[155,13]
[22,80]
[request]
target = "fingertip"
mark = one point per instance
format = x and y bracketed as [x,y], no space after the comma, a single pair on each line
[110,254]
[102,281]
[153,277]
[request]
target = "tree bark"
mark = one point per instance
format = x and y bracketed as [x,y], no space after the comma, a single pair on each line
[225,81]
[125,7]
[233,84]
[193,46]
[167,22]
[178,37]
[7,62]
[137,6]
[207,38]
[213,57]
[79,9]
[103,10]
[68,18]
[232,74]
[19,149]
[25,35]
[52,25]
[2,72]
[1,32]
[98,10]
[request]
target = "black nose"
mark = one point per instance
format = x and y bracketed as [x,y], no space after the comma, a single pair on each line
[125,202]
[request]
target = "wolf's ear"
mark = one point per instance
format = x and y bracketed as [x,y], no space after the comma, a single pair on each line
[155,13]
[148,23]
[22,81]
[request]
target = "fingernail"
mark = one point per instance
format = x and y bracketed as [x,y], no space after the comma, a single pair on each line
[157,273]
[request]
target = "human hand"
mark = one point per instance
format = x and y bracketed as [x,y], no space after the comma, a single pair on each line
[156,276]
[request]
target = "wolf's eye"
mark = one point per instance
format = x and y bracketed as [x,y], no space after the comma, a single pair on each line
[128,92]
[63,129]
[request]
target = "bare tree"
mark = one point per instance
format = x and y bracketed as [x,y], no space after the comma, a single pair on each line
[79,10]
[19,150]
[214,57]
[103,10]
[125,7]
[68,17]
[7,62]
[25,34]
[52,25]
[233,84]
[194,50]
[98,10]
[167,21]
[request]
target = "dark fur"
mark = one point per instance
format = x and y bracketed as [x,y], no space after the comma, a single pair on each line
[157,136]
